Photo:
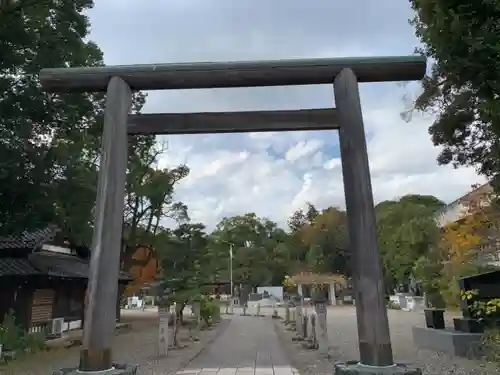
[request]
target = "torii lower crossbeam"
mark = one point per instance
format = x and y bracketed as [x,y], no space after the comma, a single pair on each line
[232,122]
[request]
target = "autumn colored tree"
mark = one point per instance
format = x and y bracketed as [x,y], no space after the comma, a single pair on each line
[474,234]
[147,269]
[461,240]
[467,244]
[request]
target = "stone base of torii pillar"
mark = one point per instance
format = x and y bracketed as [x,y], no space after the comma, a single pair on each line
[117,369]
[356,368]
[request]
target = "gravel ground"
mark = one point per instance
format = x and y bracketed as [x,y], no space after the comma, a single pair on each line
[137,346]
[342,332]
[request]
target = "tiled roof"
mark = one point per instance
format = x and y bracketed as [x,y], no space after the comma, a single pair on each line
[17,267]
[54,265]
[28,240]
[316,278]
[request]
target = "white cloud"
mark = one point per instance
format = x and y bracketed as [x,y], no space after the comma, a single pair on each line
[303,148]
[272,174]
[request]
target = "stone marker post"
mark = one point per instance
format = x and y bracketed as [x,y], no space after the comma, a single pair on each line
[298,318]
[163,317]
[313,339]
[287,312]
[196,306]
[322,331]
[304,326]
[258,309]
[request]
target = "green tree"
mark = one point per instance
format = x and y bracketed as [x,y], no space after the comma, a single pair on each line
[48,142]
[185,263]
[311,212]
[316,259]
[462,41]
[407,230]
[148,198]
[259,248]
[324,240]
[297,221]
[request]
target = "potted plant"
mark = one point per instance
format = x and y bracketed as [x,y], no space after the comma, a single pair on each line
[484,313]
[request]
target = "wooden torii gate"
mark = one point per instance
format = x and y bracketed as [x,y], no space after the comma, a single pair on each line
[344,73]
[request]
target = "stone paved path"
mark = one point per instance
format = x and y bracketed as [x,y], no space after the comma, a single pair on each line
[248,346]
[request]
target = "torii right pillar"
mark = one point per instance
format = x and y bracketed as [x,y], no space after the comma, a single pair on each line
[373,326]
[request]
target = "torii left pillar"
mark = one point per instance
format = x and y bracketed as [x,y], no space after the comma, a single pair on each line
[100,311]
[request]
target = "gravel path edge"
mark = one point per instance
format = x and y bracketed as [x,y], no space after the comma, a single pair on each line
[219,329]
[293,352]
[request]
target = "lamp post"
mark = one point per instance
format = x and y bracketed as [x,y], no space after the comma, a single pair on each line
[231,268]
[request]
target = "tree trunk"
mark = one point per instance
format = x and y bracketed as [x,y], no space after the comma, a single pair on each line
[175,330]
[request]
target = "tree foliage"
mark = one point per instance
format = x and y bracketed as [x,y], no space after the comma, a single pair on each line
[462,42]
[149,198]
[185,262]
[50,143]
[259,248]
[407,230]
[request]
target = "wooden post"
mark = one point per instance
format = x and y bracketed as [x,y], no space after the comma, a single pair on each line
[373,327]
[100,312]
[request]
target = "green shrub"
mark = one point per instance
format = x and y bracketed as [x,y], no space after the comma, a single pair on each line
[215,306]
[34,342]
[209,310]
[14,338]
[11,335]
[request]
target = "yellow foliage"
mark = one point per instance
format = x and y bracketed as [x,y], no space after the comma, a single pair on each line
[288,283]
[463,239]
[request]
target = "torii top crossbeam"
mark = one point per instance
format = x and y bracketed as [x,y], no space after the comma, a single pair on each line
[233,74]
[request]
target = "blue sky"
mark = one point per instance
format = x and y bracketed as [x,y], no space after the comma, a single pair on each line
[273,174]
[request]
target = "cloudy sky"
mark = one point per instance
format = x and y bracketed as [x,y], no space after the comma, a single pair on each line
[274,174]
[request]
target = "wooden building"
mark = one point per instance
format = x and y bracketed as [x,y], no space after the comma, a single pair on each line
[43,279]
